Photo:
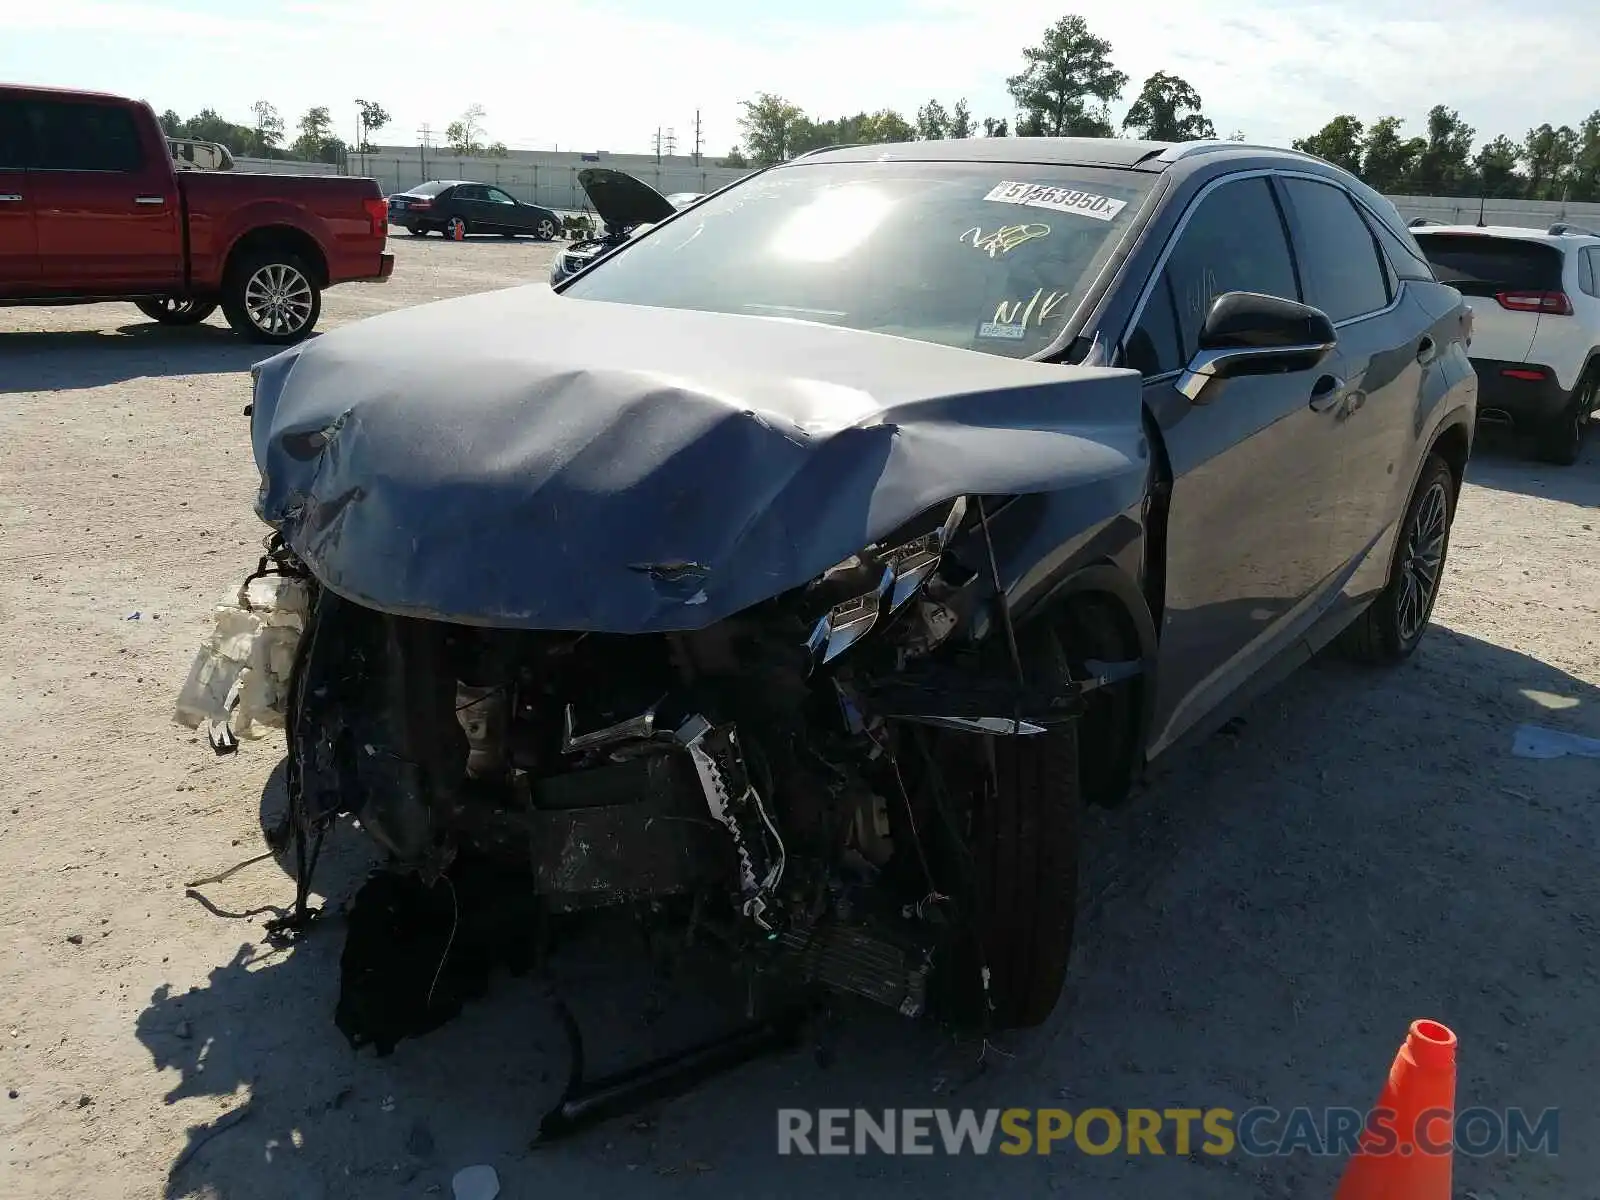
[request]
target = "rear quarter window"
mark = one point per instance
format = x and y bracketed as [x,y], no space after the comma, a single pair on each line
[1477,265]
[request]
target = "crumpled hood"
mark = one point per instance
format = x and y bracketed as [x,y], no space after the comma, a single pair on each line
[521,459]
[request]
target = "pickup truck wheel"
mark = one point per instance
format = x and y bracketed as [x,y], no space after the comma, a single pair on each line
[172,311]
[272,298]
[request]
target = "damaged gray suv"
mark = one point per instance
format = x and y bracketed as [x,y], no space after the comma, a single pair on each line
[791,577]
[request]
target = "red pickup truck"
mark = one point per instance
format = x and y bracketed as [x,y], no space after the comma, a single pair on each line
[92,209]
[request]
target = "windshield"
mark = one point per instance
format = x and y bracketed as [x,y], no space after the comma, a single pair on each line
[985,256]
[432,188]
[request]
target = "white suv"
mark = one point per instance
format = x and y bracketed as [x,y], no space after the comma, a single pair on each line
[1535,299]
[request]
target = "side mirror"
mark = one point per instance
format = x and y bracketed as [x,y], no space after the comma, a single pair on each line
[1247,333]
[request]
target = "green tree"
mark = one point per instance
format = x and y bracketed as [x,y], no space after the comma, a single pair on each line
[268,128]
[960,120]
[1496,167]
[1388,161]
[769,126]
[1552,155]
[461,135]
[1340,142]
[497,150]
[933,122]
[1236,136]
[995,127]
[1168,110]
[1444,168]
[171,123]
[316,142]
[1068,83]
[373,118]
[734,159]
[1586,171]
[886,125]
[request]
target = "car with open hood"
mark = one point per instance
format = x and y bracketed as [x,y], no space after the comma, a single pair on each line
[626,206]
[792,576]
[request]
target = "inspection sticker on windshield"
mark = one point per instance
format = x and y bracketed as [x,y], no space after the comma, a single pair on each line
[1057,199]
[1000,329]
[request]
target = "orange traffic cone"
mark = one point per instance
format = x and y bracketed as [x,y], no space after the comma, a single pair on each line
[1405,1149]
[461,233]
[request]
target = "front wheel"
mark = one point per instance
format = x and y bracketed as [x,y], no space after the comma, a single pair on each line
[1393,625]
[545,231]
[1561,442]
[1007,812]
[170,310]
[273,298]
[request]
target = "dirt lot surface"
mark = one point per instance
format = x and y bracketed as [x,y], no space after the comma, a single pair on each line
[1259,925]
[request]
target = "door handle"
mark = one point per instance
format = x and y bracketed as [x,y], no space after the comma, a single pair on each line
[1326,392]
[1426,350]
[10,197]
[149,199]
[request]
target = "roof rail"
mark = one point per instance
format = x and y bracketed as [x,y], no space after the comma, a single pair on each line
[1567,227]
[1209,145]
[825,149]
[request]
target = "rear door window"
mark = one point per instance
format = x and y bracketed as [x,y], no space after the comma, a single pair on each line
[1339,258]
[1588,278]
[83,136]
[14,140]
[1481,265]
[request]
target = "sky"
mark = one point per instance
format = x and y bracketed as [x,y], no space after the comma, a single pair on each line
[604,75]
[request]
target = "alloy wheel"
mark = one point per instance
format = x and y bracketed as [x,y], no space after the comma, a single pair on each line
[1423,563]
[547,229]
[278,299]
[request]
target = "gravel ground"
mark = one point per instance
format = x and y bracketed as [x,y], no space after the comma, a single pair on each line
[1259,926]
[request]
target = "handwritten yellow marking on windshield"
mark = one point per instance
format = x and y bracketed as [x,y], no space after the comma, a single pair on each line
[1005,239]
[1014,313]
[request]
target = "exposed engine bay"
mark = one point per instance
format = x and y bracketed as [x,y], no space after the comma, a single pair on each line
[748,774]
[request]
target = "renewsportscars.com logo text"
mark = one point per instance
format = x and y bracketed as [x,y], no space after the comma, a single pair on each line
[1258,1132]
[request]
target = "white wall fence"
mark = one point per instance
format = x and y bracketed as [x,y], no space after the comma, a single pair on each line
[551,179]
[1531,214]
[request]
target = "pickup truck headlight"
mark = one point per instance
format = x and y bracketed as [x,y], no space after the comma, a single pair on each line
[875,583]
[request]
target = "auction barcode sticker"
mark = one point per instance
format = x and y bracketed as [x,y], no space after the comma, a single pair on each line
[1058,199]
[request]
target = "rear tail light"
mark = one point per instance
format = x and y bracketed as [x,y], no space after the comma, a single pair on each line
[378,211]
[1555,304]
[1529,374]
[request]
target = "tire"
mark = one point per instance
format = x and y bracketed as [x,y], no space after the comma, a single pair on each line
[272,297]
[1093,628]
[1561,442]
[456,228]
[1392,626]
[1023,887]
[545,230]
[417,230]
[170,310]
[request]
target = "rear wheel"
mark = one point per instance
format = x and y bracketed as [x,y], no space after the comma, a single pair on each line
[455,229]
[1012,861]
[1393,625]
[170,310]
[417,230]
[1562,441]
[272,297]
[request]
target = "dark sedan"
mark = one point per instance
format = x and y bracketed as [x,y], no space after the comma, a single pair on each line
[457,207]
[793,574]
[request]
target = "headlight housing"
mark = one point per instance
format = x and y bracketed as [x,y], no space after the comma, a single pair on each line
[876,583]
